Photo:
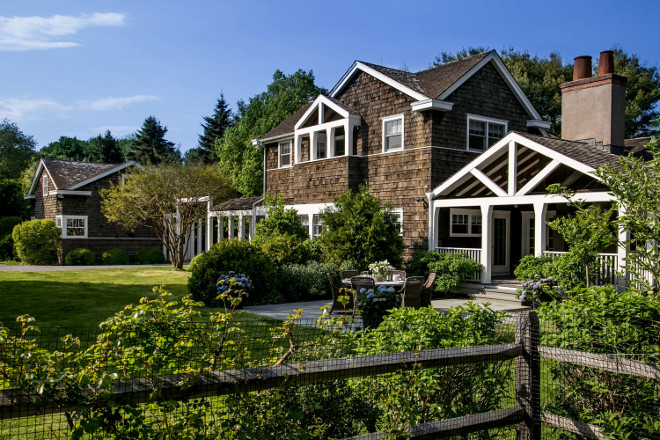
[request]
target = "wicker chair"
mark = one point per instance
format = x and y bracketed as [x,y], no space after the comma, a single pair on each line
[349,274]
[336,305]
[358,283]
[427,290]
[411,292]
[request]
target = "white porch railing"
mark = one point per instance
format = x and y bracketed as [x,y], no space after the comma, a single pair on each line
[473,254]
[606,270]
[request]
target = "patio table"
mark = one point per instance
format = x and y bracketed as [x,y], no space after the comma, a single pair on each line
[347,282]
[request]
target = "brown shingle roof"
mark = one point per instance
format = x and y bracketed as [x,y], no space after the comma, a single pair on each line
[287,126]
[239,204]
[408,79]
[66,173]
[437,80]
[579,151]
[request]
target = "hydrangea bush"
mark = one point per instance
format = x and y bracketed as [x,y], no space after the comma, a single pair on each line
[540,289]
[373,305]
[232,288]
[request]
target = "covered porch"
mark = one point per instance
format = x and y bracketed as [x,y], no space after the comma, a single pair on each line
[495,210]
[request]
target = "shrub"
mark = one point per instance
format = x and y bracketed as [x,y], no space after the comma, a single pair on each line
[604,320]
[284,249]
[113,257]
[240,257]
[150,255]
[531,266]
[300,282]
[374,305]
[37,242]
[569,271]
[79,257]
[6,240]
[450,269]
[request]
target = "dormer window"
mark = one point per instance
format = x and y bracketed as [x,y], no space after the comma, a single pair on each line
[484,132]
[393,133]
[285,154]
[44,186]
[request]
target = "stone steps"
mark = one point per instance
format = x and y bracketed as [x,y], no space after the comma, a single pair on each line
[491,291]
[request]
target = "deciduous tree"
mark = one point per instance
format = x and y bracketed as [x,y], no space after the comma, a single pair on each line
[169,199]
[16,150]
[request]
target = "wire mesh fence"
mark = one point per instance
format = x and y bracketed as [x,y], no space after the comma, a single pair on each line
[272,379]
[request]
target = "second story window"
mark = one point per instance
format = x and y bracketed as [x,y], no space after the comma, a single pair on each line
[340,141]
[44,186]
[393,133]
[484,132]
[285,154]
[321,145]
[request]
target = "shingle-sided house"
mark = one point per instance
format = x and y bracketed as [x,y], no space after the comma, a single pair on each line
[457,149]
[69,193]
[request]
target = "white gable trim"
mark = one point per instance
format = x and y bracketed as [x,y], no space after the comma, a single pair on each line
[432,104]
[325,101]
[488,182]
[379,76]
[35,179]
[506,75]
[107,173]
[500,148]
[545,172]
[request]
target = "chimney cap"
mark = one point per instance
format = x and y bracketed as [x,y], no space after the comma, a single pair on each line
[582,67]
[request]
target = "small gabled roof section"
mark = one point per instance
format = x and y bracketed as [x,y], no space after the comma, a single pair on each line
[70,175]
[320,102]
[519,163]
[286,127]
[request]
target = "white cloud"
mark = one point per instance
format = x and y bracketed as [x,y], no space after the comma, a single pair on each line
[23,109]
[30,33]
[114,103]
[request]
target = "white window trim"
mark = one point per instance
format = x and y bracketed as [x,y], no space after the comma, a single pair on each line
[279,154]
[58,221]
[63,224]
[470,213]
[403,130]
[399,213]
[471,117]
[44,186]
[313,225]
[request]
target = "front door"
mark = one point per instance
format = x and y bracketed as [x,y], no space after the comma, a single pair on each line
[500,246]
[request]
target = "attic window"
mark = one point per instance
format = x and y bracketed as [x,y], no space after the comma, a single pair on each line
[393,133]
[484,132]
[44,186]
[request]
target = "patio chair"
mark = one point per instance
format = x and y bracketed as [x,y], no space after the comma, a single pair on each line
[349,274]
[358,283]
[336,305]
[427,290]
[411,292]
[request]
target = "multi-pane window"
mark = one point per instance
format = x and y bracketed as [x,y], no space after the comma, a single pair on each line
[74,226]
[317,225]
[398,212]
[304,221]
[393,133]
[483,133]
[44,186]
[340,141]
[465,223]
[321,145]
[285,154]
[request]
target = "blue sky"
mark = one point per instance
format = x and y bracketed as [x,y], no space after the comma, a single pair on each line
[78,68]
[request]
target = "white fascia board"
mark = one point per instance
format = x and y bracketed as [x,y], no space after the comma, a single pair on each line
[537,123]
[194,199]
[379,76]
[35,178]
[506,75]
[68,192]
[31,196]
[256,142]
[587,197]
[432,104]
[321,99]
[269,140]
[102,175]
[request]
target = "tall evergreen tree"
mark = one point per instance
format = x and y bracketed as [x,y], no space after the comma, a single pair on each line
[104,149]
[150,145]
[214,128]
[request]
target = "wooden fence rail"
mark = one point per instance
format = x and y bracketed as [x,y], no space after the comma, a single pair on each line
[527,415]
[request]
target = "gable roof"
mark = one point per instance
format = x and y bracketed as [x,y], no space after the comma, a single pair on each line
[287,126]
[70,175]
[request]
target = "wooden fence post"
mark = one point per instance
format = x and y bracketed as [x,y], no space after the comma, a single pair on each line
[528,371]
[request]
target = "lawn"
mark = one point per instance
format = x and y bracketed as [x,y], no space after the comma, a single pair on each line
[81,298]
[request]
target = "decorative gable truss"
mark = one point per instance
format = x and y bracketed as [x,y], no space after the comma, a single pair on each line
[516,168]
[327,127]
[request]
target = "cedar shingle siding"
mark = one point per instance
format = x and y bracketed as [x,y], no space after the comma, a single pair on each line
[434,141]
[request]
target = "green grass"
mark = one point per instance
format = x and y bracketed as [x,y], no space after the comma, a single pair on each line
[81,298]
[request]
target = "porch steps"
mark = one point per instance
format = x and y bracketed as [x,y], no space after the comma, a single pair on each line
[494,291]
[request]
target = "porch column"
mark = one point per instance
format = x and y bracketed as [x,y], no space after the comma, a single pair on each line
[348,138]
[231,226]
[540,236]
[241,227]
[486,243]
[622,253]
[209,231]
[433,215]
[220,228]
[200,228]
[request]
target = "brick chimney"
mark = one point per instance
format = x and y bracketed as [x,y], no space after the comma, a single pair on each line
[593,108]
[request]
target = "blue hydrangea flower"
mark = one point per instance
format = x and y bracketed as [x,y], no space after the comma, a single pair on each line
[371,295]
[523,296]
[363,290]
